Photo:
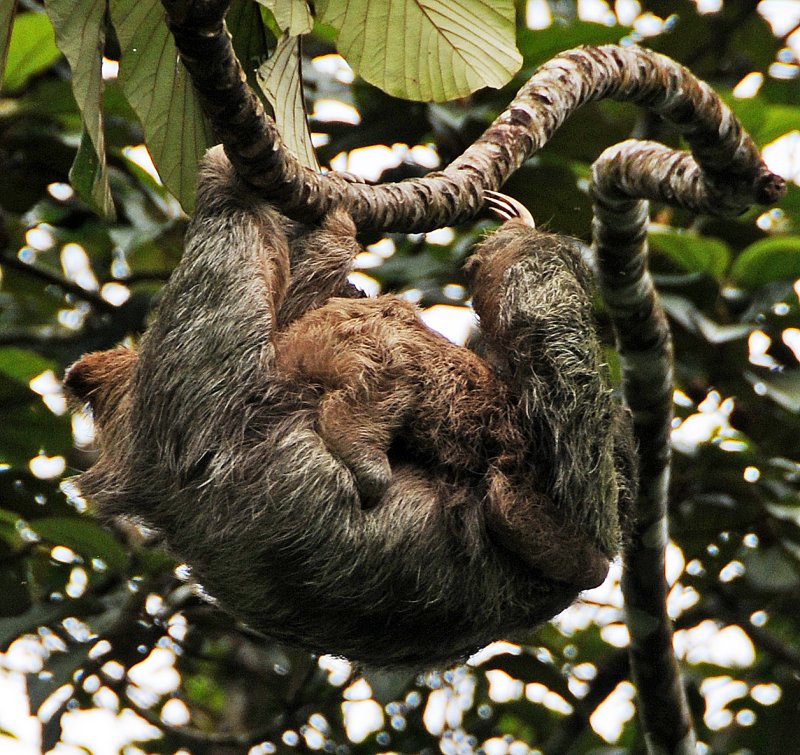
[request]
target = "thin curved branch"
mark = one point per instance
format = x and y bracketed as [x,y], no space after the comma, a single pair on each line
[623,178]
[734,171]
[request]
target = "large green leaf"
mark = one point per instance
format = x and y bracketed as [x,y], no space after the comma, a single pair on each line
[281,81]
[31,428]
[539,45]
[22,365]
[158,88]
[32,48]
[81,36]
[765,122]
[767,260]
[426,49]
[291,16]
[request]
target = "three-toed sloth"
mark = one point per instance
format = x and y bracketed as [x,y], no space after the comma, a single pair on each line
[343,478]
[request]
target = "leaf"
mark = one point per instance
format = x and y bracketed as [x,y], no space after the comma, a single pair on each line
[158,88]
[22,365]
[291,16]
[696,254]
[539,45]
[39,615]
[31,428]
[768,260]
[281,80]
[6,22]
[32,49]
[426,49]
[81,36]
[772,569]
[83,536]
[782,387]
[89,176]
[250,37]
[778,120]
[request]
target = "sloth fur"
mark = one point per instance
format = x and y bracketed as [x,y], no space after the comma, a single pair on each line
[338,475]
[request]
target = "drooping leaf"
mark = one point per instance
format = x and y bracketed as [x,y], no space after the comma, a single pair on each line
[251,40]
[696,254]
[89,176]
[767,260]
[281,80]
[81,36]
[426,49]
[21,365]
[84,536]
[32,48]
[291,16]
[158,88]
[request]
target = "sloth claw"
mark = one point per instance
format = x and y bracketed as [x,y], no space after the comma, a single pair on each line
[507,208]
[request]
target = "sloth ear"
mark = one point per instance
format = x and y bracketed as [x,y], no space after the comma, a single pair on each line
[98,376]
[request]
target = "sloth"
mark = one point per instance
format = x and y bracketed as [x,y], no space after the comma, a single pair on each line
[339,476]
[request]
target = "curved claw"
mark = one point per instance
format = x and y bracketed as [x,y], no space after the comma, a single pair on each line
[507,208]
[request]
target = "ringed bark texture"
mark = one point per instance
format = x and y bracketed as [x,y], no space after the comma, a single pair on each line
[623,178]
[729,159]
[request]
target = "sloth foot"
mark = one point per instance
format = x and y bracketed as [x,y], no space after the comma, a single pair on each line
[508,208]
[373,474]
[526,525]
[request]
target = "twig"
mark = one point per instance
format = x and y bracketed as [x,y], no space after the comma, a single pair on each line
[54,279]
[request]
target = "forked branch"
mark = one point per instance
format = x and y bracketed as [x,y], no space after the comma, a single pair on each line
[734,172]
[623,178]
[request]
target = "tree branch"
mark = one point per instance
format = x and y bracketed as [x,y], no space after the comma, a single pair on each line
[623,178]
[730,161]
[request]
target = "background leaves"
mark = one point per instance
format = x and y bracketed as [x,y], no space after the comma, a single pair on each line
[102,612]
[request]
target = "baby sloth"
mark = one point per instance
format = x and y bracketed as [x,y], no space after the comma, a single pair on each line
[340,476]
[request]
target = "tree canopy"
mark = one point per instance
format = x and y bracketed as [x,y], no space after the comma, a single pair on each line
[104,627]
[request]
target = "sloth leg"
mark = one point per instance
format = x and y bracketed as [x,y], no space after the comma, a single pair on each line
[524,523]
[531,291]
[321,259]
[352,431]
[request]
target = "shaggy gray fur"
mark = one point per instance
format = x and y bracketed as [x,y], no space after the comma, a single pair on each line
[484,525]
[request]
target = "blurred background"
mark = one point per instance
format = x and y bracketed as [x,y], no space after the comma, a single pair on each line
[105,646]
